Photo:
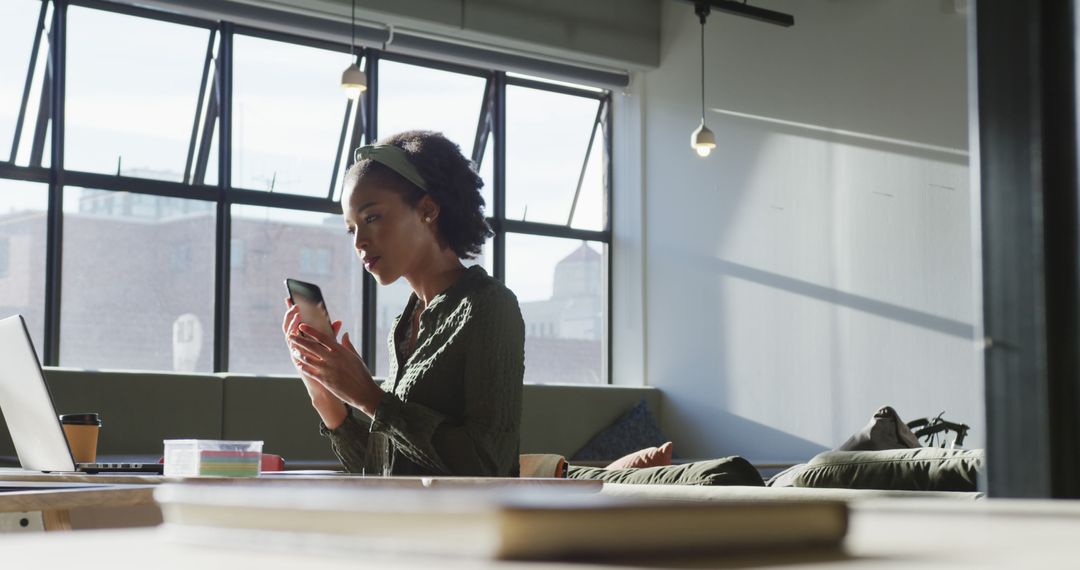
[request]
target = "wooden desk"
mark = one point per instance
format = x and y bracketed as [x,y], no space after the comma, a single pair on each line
[63,506]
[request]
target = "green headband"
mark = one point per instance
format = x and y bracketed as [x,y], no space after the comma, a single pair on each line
[393,157]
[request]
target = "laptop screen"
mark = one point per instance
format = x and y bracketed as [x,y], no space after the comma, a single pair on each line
[26,404]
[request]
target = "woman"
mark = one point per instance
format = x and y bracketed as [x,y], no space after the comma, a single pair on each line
[451,403]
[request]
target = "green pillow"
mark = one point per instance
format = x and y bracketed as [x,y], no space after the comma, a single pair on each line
[726,471]
[920,469]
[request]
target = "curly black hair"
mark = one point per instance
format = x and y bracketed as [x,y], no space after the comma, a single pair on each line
[451,180]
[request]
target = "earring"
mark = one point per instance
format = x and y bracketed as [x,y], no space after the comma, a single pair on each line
[427,219]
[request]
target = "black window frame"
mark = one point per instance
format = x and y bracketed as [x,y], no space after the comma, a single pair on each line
[492,124]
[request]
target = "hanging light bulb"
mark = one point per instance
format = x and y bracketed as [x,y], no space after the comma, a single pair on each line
[702,140]
[353,80]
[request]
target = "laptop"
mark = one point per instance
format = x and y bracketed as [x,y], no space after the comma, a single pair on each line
[28,410]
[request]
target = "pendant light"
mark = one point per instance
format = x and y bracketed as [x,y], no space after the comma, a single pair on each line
[353,80]
[702,140]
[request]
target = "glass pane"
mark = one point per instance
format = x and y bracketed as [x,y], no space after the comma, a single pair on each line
[132,90]
[413,97]
[288,108]
[561,285]
[347,151]
[138,282]
[18,19]
[268,246]
[23,208]
[590,211]
[390,302]
[545,151]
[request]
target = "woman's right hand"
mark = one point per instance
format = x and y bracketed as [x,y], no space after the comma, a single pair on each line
[330,408]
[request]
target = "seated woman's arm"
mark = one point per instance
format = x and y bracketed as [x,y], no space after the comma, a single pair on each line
[349,440]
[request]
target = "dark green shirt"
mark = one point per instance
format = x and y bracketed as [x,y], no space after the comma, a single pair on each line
[454,406]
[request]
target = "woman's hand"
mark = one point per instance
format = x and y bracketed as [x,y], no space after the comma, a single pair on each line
[330,408]
[337,367]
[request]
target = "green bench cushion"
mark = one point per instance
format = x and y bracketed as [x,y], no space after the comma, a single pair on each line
[919,469]
[725,471]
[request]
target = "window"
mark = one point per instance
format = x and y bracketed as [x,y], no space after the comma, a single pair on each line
[145,221]
[23,207]
[24,93]
[415,97]
[314,261]
[5,256]
[236,253]
[275,239]
[554,159]
[287,116]
[181,257]
[561,286]
[123,297]
[17,34]
[132,92]
[556,216]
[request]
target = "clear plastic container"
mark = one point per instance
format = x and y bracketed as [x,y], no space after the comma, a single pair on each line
[212,458]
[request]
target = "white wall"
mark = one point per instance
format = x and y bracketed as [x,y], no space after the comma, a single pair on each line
[819,263]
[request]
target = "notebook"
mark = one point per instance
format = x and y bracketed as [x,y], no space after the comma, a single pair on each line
[500,523]
[29,413]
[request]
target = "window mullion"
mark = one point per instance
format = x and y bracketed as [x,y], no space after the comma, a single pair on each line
[55,73]
[223,234]
[609,230]
[499,194]
[368,349]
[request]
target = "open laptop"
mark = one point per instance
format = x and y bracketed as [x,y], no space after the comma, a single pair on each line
[28,410]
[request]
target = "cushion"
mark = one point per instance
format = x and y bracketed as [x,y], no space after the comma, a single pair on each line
[636,429]
[651,457]
[885,431]
[724,471]
[542,465]
[921,469]
[786,478]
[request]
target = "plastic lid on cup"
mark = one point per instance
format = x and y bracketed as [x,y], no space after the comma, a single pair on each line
[84,419]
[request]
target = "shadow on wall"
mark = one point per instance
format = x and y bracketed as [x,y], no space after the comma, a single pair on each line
[923,320]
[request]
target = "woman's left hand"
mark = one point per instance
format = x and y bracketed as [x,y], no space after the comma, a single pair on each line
[338,367]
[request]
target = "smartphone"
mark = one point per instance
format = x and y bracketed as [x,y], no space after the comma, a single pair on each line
[313,311]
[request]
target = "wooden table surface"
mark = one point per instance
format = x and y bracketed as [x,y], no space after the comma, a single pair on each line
[30,496]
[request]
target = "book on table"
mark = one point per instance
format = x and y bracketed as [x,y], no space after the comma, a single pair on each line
[494,523]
